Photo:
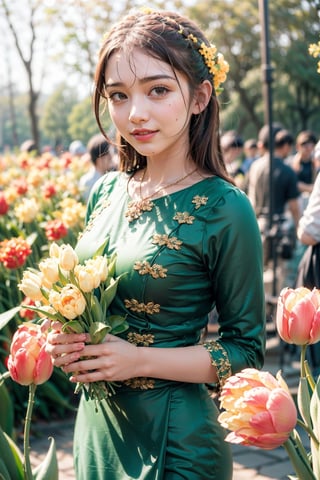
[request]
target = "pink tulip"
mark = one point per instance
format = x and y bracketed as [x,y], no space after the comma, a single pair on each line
[258,409]
[28,361]
[298,315]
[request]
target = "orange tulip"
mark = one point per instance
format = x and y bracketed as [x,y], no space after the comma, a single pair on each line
[28,361]
[298,315]
[258,409]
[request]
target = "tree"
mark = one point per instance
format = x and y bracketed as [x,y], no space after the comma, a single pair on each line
[235,28]
[25,38]
[54,120]
[82,124]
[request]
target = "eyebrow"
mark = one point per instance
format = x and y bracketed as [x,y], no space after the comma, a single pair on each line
[143,80]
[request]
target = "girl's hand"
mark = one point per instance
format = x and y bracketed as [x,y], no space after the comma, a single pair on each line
[64,348]
[112,360]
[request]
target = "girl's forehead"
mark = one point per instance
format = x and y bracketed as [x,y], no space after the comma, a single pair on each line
[137,64]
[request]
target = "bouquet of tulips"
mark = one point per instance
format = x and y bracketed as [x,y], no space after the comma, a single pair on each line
[259,409]
[78,296]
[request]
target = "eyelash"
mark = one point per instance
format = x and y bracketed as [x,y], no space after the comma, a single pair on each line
[161,92]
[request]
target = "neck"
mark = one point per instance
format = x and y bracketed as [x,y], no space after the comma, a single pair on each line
[165,172]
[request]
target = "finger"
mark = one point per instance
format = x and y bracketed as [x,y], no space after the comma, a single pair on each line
[86,377]
[57,326]
[66,338]
[83,366]
[45,325]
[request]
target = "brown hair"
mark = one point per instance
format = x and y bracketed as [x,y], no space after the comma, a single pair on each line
[159,34]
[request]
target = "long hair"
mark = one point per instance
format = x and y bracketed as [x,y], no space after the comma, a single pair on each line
[158,34]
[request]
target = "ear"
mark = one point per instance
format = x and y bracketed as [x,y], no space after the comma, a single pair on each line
[201,97]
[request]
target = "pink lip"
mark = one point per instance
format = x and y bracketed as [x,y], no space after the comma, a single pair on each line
[143,135]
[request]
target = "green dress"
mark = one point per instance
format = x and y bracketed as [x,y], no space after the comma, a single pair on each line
[195,249]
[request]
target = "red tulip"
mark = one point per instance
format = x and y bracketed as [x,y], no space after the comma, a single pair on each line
[298,315]
[14,252]
[259,409]
[28,362]
[4,207]
[55,230]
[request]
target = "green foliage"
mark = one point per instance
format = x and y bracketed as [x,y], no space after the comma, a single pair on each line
[293,25]
[54,120]
[81,121]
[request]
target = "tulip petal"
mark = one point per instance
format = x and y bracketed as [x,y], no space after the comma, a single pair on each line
[300,321]
[282,410]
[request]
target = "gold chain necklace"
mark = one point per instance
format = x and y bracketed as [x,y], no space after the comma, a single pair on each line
[136,207]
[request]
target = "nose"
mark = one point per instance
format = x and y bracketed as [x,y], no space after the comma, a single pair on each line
[138,113]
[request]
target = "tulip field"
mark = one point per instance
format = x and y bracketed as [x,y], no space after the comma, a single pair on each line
[40,203]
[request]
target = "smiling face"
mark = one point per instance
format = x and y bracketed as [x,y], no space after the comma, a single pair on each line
[149,103]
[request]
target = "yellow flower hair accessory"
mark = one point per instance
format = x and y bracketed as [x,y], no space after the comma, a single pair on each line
[217,65]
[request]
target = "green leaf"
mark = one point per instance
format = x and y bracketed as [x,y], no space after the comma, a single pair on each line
[112,265]
[32,238]
[4,474]
[96,310]
[17,455]
[5,317]
[315,417]
[304,400]
[118,324]
[48,469]
[6,410]
[101,249]
[98,331]
[8,457]
[52,316]
[73,326]
[109,293]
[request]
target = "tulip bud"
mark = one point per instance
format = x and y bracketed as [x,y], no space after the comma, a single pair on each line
[49,268]
[28,361]
[298,315]
[87,277]
[31,283]
[68,258]
[259,409]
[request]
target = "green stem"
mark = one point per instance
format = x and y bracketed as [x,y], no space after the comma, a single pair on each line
[26,438]
[300,465]
[309,431]
[3,377]
[302,360]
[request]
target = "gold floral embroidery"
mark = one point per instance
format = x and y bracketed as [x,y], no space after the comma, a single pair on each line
[156,271]
[173,242]
[183,217]
[136,209]
[142,339]
[198,201]
[135,306]
[220,360]
[140,382]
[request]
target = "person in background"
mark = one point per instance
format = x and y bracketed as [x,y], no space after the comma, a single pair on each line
[251,153]
[186,239]
[102,160]
[77,149]
[232,148]
[285,182]
[28,146]
[286,206]
[309,224]
[303,162]
[309,234]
